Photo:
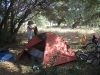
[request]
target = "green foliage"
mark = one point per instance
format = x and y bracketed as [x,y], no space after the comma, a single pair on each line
[41,20]
[75,71]
[55,70]
[45,11]
[29,69]
[52,70]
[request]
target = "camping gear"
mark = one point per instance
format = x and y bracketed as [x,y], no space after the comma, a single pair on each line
[83,39]
[94,45]
[54,49]
[94,58]
[80,54]
[35,68]
[5,55]
[36,31]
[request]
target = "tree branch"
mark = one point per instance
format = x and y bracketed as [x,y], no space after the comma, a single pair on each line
[6,14]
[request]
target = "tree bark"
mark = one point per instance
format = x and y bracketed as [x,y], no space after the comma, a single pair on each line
[14,34]
[6,15]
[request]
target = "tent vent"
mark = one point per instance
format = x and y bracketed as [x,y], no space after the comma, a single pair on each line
[43,35]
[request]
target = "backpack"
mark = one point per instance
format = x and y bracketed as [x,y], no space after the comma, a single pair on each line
[35,31]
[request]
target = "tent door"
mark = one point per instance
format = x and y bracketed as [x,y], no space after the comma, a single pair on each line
[35,52]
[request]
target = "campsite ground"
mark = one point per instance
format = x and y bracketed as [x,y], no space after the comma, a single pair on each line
[71,36]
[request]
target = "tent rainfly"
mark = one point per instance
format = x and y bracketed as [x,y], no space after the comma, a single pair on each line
[49,46]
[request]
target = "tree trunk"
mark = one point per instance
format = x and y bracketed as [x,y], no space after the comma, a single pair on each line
[14,34]
[75,24]
[4,21]
[6,15]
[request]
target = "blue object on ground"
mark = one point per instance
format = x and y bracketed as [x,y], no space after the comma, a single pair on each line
[6,56]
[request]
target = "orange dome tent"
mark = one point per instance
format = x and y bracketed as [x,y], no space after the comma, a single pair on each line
[50,45]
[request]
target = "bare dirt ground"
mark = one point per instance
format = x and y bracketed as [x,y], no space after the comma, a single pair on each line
[20,67]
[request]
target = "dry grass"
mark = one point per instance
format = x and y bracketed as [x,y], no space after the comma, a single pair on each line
[72,37]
